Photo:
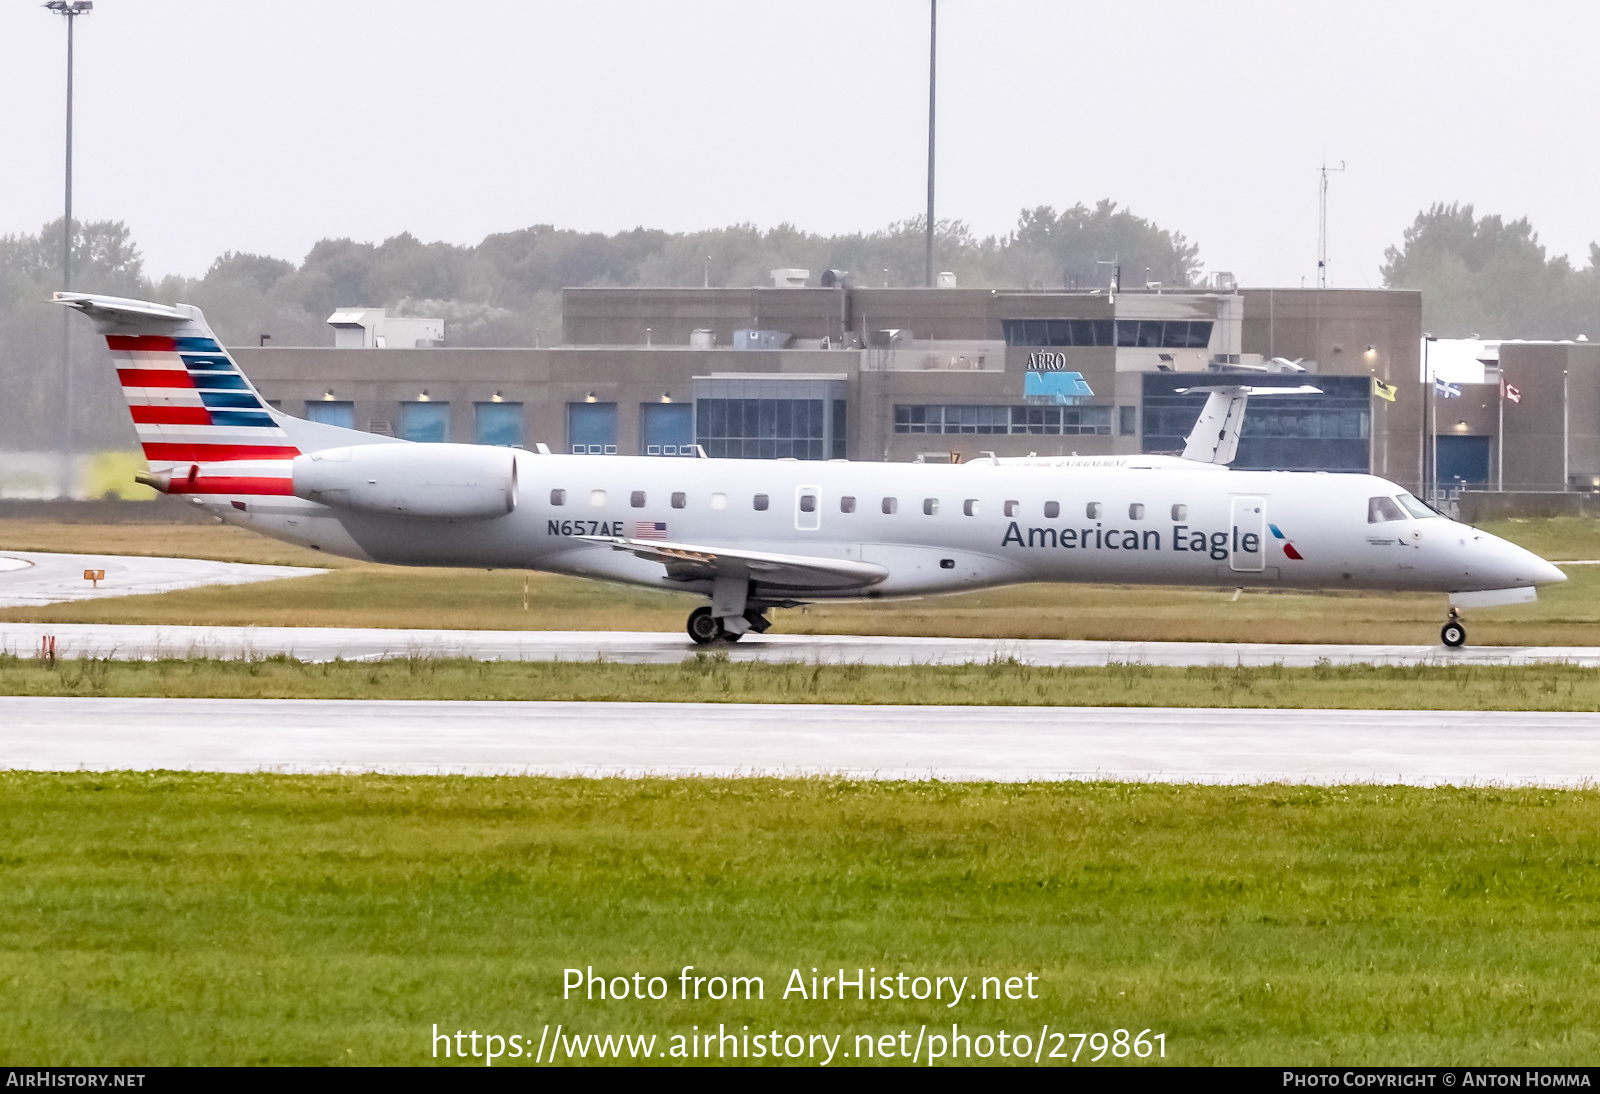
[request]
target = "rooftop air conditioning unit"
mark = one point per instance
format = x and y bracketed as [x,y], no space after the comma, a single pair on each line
[790,279]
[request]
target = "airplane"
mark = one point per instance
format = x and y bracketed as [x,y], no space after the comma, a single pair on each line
[753,535]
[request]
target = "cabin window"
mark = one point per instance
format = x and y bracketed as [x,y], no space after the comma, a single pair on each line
[719,501]
[930,507]
[597,498]
[1011,508]
[847,505]
[1094,510]
[636,499]
[1382,509]
[1136,511]
[970,507]
[1415,507]
[761,502]
[558,497]
[679,499]
[1180,512]
[1052,510]
[891,505]
[808,503]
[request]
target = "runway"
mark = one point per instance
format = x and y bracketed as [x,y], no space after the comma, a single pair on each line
[32,578]
[888,742]
[640,647]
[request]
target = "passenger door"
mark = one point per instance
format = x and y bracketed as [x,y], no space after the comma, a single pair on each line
[1248,552]
[807,508]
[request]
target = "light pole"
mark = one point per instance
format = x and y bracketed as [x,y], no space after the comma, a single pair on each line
[1428,404]
[71,9]
[933,57]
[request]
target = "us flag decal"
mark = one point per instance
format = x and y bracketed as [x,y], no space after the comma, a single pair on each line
[649,529]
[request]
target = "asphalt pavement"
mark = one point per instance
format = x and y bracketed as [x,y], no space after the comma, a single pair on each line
[998,743]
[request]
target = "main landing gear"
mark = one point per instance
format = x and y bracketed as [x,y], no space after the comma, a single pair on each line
[1454,633]
[706,628]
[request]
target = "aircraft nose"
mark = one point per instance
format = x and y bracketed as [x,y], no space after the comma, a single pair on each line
[1520,566]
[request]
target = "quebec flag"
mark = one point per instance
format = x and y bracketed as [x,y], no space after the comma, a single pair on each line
[1059,387]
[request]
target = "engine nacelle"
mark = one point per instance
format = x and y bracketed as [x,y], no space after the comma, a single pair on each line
[425,481]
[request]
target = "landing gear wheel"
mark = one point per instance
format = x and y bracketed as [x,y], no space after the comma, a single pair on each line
[703,628]
[1454,634]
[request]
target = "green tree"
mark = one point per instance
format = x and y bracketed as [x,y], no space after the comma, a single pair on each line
[1486,276]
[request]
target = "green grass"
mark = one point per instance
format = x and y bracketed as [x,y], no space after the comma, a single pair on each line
[364,595]
[713,678]
[166,918]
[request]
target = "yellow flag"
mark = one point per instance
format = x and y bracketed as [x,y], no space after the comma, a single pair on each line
[1383,390]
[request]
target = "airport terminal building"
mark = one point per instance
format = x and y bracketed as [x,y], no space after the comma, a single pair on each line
[843,372]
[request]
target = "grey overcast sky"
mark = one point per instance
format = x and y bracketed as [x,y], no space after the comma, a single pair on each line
[264,125]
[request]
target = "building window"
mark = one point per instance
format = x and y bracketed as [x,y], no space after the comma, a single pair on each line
[498,423]
[592,429]
[839,414]
[1015,420]
[1127,421]
[1150,333]
[425,422]
[762,429]
[332,412]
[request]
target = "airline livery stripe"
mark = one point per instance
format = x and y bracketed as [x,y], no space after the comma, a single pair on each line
[152,377]
[154,342]
[148,360]
[161,396]
[232,484]
[170,415]
[210,453]
[160,343]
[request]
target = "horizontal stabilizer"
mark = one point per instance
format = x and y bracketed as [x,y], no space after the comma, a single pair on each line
[691,562]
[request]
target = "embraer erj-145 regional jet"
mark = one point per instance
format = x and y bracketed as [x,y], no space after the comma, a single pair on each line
[757,534]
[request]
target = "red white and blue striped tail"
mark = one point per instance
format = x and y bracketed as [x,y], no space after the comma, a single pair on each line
[192,406]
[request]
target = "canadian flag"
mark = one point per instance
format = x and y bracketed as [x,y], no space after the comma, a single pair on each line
[1509,393]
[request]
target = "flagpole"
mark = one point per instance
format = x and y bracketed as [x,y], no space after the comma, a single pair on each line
[1433,414]
[1500,441]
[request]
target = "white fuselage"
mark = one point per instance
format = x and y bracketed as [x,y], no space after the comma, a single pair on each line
[936,528]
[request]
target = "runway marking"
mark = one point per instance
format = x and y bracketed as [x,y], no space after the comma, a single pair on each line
[1163,744]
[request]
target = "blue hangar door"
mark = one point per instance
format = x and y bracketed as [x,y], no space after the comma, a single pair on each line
[666,429]
[1463,461]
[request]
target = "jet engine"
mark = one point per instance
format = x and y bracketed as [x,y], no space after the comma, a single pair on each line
[424,481]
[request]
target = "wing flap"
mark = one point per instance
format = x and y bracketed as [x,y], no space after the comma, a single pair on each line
[690,562]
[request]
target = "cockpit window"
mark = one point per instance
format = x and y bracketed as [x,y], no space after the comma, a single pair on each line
[1382,509]
[1415,507]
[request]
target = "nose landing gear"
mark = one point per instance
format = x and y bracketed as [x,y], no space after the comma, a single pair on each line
[1454,633]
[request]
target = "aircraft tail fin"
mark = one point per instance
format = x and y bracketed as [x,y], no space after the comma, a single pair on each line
[190,403]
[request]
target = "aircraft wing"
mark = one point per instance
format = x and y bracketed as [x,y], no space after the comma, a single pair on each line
[689,562]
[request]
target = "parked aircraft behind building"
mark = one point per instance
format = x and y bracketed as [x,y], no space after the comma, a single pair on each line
[756,534]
